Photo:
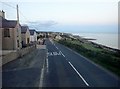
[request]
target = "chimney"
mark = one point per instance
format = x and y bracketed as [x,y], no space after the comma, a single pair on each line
[3,14]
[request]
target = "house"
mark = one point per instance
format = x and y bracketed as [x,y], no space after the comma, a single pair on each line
[41,34]
[25,34]
[58,37]
[33,36]
[11,33]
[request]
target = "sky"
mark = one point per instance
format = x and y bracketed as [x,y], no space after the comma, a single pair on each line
[46,13]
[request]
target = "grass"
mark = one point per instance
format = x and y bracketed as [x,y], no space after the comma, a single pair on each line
[106,58]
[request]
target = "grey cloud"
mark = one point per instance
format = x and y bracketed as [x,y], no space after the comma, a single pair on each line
[43,24]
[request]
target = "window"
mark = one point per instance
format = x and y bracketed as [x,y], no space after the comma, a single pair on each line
[6,32]
[18,43]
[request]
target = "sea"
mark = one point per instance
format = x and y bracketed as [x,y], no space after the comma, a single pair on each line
[107,39]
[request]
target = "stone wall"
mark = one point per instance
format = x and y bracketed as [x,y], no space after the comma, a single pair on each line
[14,55]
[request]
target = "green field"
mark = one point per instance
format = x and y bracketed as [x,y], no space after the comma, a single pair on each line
[104,57]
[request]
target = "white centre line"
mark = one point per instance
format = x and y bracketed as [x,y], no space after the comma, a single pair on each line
[47,61]
[56,47]
[47,64]
[62,54]
[74,68]
[79,74]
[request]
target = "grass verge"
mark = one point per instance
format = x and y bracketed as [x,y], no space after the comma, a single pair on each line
[104,57]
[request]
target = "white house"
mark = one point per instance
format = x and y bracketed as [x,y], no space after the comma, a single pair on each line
[33,35]
[25,35]
[58,37]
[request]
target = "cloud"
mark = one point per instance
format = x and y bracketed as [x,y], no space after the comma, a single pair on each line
[43,24]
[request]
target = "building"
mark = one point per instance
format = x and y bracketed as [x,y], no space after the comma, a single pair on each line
[58,37]
[41,34]
[11,33]
[33,36]
[2,14]
[25,33]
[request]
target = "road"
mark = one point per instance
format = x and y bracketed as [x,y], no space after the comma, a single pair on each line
[66,68]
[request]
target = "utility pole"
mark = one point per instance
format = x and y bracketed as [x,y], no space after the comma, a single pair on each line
[19,42]
[17,14]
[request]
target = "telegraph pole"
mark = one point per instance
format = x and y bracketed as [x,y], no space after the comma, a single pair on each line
[19,43]
[17,14]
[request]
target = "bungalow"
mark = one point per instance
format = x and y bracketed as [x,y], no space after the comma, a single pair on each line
[25,33]
[33,36]
[11,33]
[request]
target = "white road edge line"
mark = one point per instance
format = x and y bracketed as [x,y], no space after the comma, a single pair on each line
[79,74]
[42,73]
[42,76]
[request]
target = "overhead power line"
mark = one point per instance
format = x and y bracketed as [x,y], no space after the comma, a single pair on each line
[8,5]
[26,19]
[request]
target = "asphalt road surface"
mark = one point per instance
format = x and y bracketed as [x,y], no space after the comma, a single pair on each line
[25,71]
[66,68]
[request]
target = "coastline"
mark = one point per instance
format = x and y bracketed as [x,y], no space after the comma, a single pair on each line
[109,40]
[97,44]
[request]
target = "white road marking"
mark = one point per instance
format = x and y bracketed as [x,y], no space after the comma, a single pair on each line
[62,54]
[56,47]
[79,74]
[73,67]
[100,67]
[54,53]
[49,54]
[47,65]
[47,62]
[42,75]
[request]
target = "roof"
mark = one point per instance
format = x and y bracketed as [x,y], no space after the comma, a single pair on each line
[7,23]
[24,29]
[32,31]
